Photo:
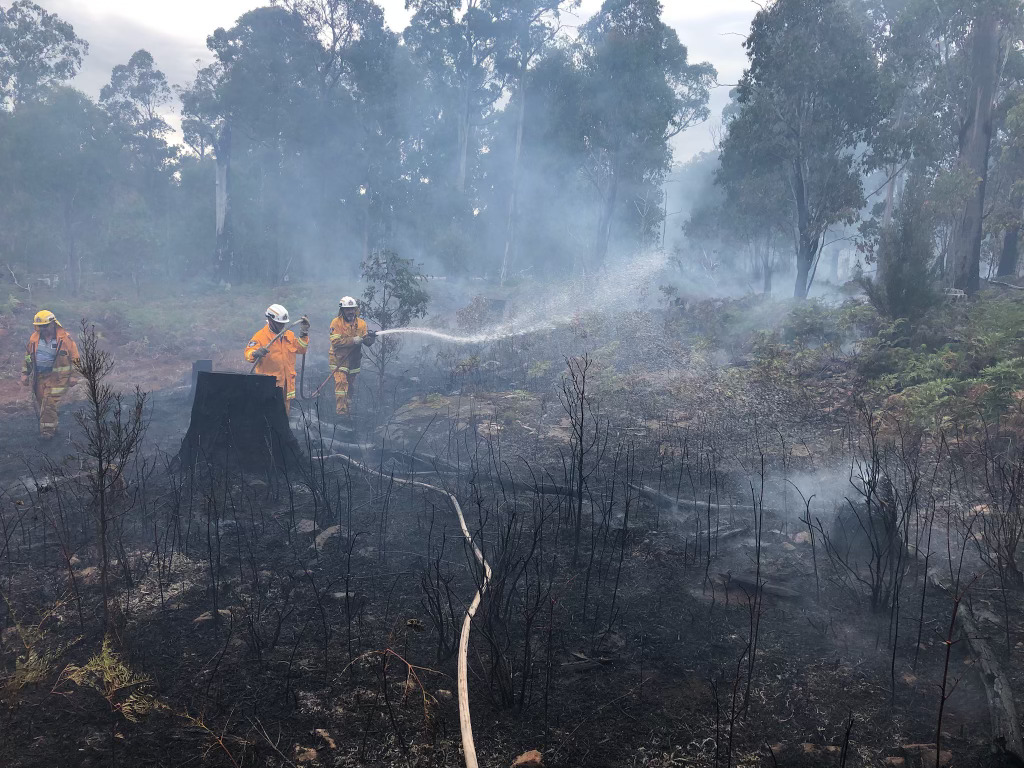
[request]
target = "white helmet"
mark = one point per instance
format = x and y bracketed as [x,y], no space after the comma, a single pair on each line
[347,302]
[277,313]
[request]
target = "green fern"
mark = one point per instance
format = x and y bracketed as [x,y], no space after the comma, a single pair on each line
[40,656]
[123,688]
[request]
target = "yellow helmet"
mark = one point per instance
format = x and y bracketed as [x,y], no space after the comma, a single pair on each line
[44,317]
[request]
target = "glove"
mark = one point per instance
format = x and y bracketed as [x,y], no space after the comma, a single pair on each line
[304,324]
[260,353]
[371,336]
[357,339]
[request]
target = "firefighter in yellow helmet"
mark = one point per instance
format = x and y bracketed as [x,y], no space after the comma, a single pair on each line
[273,350]
[49,368]
[349,335]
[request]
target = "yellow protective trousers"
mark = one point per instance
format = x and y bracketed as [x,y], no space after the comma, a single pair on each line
[342,382]
[49,389]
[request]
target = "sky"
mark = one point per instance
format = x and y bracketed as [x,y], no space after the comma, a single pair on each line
[175,32]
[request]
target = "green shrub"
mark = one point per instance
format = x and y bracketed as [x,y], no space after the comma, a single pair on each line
[904,285]
[1000,382]
[812,322]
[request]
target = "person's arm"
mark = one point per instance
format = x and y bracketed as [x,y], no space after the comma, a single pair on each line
[27,366]
[73,358]
[303,341]
[254,352]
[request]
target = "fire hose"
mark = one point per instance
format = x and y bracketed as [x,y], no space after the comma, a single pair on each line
[465,723]
[318,390]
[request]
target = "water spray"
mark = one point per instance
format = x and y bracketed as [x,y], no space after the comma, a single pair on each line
[625,279]
[477,338]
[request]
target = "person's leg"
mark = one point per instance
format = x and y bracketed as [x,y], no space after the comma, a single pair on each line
[341,392]
[49,391]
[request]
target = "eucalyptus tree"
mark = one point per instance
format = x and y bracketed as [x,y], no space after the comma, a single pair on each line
[951,64]
[986,20]
[38,49]
[526,28]
[639,91]
[260,99]
[809,100]
[60,159]
[1006,213]
[135,98]
[455,41]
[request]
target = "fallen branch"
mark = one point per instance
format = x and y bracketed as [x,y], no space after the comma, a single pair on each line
[998,691]
[587,664]
[14,279]
[1007,285]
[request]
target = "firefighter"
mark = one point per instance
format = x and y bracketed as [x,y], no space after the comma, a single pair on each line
[49,368]
[273,350]
[348,336]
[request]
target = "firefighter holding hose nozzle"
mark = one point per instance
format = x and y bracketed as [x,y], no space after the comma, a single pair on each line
[349,335]
[49,368]
[273,348]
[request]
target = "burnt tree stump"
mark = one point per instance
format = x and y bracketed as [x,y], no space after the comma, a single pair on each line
[197,366]
[239,420]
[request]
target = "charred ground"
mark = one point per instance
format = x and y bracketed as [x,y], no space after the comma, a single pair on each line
[665,590]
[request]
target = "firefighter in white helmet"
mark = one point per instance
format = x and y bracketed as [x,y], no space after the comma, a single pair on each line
[273,350]
[349,335]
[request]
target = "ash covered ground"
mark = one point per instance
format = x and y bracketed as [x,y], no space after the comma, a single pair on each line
[698,557]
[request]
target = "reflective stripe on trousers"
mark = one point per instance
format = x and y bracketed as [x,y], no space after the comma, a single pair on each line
[342,381]
[49,389]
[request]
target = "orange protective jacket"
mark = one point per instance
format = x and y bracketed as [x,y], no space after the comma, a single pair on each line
[63,364]
[345,355]
[280,359]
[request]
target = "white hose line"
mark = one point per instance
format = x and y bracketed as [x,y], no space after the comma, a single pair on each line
[465,723]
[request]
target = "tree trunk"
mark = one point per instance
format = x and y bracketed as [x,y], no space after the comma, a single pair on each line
[604,222]
[883,255]
[104,554]
[807,241]
[366,228]
[1008,258]
[975,141]
[278,273]
[464,130]
[803,272]
[240,421]
[223,261]
[513,203]
[72,270]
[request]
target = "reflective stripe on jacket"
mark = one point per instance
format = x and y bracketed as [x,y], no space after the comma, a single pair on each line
[345,355]
[279,361]
[63,363]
